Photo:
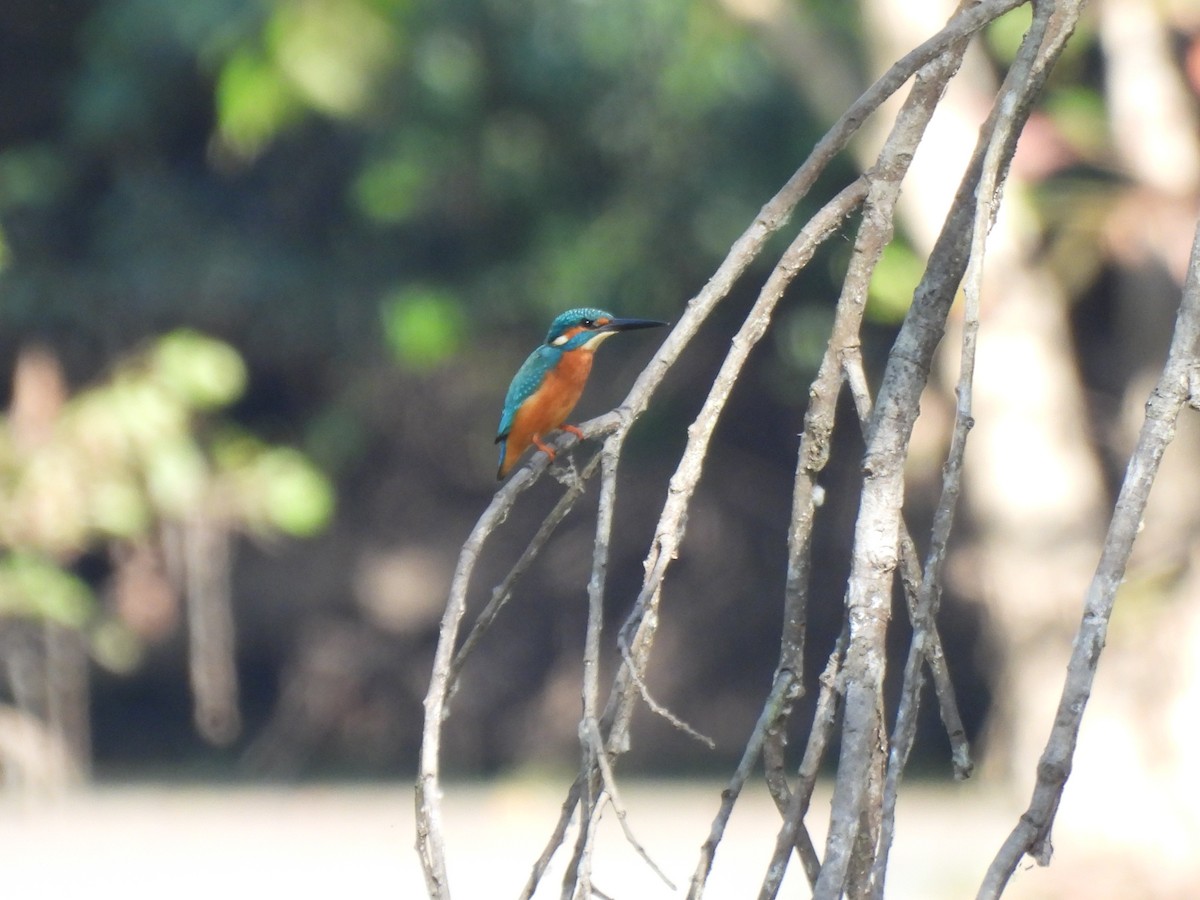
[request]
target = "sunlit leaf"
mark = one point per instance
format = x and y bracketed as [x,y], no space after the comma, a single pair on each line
[176,477]
[118,508]
[423,326]
[1005,34]
[299,499]
[115,647]
[144,413]
[32,587]
[272,487]
[896,275]
[207,373]
[254,102]
[331,51]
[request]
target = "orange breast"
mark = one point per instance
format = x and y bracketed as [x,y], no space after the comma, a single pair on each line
[550,405]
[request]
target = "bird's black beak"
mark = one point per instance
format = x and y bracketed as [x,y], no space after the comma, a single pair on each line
[628,324]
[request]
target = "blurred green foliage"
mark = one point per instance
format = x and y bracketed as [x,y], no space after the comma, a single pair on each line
[33,588]
[280,172]
[892,283]
[423,326]
[374,207]
[335,186]
[291,174]
[128,454]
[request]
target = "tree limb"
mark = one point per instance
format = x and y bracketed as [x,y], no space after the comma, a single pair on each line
[877,530]
[874,233]
[1032,832]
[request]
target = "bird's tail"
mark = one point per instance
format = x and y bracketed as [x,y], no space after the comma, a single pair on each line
[501,468]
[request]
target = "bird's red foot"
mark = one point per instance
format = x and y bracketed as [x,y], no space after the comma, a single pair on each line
[545,448]
[575,431]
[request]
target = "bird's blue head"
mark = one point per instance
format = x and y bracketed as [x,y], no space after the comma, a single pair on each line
[586,327]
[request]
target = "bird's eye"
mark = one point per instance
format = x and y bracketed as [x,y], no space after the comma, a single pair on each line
[587,323]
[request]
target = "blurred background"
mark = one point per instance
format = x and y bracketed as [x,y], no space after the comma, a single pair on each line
[266,267]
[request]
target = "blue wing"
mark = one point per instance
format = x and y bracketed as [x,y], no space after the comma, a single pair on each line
[525,383]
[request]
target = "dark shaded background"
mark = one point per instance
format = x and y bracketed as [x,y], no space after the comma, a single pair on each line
[381,204]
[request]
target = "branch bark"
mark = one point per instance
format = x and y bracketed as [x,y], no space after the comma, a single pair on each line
[856,669]
[1173,390]
[873,235]
[877,529]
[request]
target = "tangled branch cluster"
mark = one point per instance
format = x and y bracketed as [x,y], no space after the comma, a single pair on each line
[871,761]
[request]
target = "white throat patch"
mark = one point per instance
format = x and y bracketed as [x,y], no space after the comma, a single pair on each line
[590,344]
[594,341]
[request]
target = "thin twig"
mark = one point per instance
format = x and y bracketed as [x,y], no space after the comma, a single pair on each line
[591,743]
[503,591]
[614,798]
[824,719]
[657,708]
[961,763]
[729,796]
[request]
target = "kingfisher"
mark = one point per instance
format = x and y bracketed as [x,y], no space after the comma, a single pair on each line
[547,387]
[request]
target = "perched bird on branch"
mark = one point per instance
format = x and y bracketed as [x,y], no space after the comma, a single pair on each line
[547,387]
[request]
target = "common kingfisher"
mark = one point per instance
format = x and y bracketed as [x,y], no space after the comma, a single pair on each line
[547,387]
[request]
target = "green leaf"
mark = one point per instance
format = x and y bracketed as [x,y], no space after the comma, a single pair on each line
[896,276]
[1005,34]
[299,499]
[422,325]
[254,103]
[205,372]
[32,587]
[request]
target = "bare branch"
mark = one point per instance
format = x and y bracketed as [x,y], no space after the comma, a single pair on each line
[637,635]
[502,591]
[930,647]
[874,233]
[577,880]
[556,839]
[430,841]
[878,527]
[1032,833]
[657,708]
[824,718]
[595,756]
[924,615]
[729,796]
